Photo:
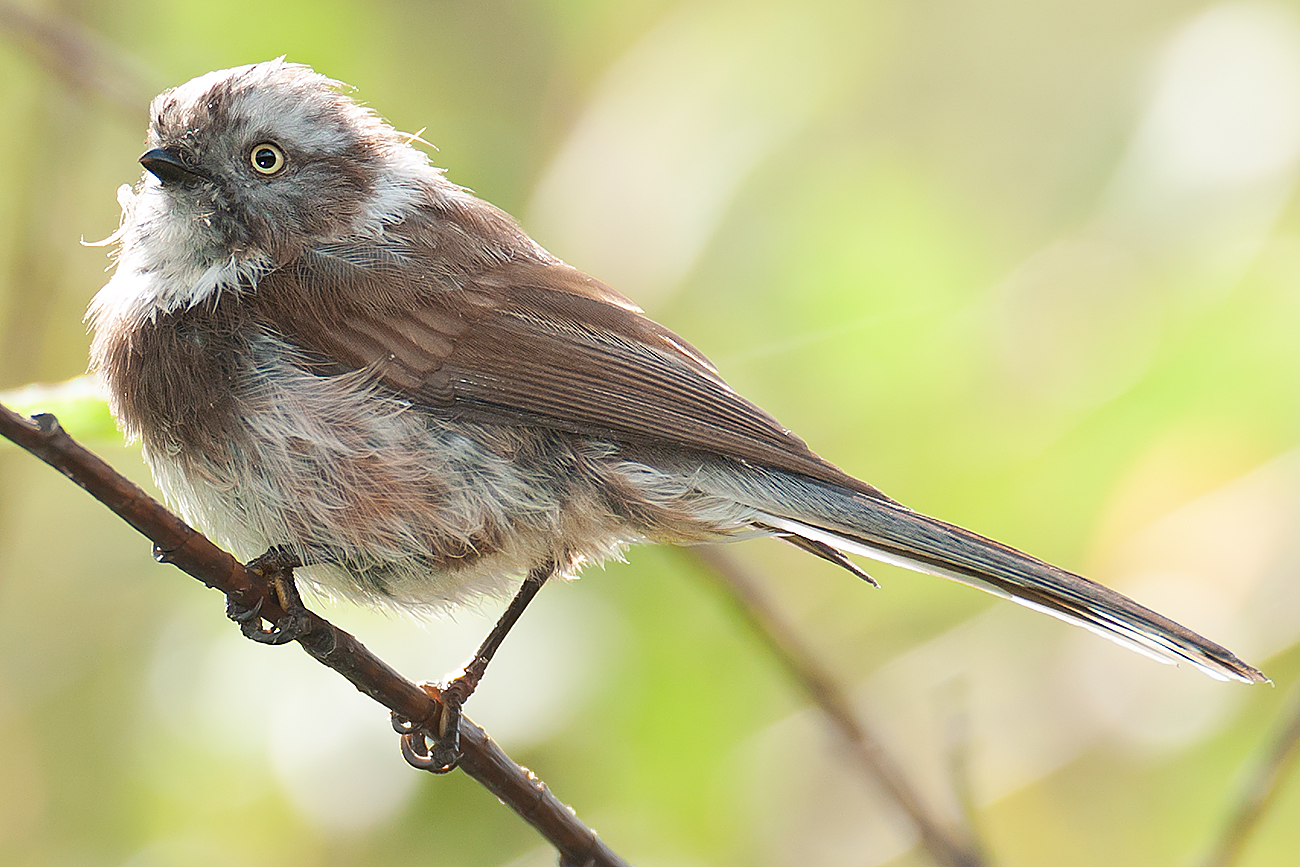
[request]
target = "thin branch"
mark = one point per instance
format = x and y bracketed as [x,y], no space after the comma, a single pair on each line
[1261,790]
[181,545]
[944,845]
[954,704]
[85,62]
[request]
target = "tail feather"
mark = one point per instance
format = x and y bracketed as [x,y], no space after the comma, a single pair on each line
[826,552]
[887,531]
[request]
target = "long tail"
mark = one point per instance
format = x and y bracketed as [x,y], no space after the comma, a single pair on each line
[879,528]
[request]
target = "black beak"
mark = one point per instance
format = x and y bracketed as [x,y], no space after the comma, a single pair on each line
[168,168]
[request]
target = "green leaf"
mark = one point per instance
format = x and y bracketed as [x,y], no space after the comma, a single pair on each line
[78,403]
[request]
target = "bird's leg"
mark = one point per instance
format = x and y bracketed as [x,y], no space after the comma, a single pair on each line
[277,566]
[444,753]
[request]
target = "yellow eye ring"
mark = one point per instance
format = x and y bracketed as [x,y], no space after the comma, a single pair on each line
[267,158]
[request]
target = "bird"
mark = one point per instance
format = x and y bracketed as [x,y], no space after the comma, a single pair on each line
[338,360]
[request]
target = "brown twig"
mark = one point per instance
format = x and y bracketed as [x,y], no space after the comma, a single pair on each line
[945,845]
[1260,790]
[183,546]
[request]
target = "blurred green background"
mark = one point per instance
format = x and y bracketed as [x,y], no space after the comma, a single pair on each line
[1032,267]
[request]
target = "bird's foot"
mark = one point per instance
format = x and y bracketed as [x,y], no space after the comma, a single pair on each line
[277,566]
[442,754]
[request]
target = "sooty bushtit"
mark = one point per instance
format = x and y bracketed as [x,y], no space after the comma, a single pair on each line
[331,351]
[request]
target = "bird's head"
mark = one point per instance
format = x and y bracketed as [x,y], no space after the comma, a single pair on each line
[264,159]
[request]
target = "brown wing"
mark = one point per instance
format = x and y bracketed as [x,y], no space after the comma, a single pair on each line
[530,342]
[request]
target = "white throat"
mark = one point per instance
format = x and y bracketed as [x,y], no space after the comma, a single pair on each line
[168,260]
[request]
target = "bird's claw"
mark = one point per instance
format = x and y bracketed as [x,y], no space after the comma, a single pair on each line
[277,565]
[439,755]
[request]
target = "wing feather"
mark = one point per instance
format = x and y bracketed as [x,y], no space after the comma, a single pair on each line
[526,340]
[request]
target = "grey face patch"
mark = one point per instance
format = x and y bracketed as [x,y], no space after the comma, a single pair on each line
[332,151]
[347,174]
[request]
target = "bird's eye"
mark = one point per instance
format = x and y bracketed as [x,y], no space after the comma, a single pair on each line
[267,158]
